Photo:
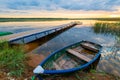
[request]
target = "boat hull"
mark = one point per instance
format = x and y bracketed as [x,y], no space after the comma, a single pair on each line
[61,71]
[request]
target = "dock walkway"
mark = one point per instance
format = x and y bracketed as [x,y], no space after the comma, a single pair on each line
[31,35]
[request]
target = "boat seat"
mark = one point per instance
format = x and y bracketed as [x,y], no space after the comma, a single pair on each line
[90,47]
[77,54]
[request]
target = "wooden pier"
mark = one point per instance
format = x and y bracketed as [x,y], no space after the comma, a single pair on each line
[28,36]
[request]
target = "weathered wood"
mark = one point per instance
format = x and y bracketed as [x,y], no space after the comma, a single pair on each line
[85,52]
[90,47]
[77,54]
[69,64]
[21,35]
[56,66]
[62,62]
[60,58]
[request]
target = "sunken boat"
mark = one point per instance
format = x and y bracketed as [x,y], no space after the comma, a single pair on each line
[69,59]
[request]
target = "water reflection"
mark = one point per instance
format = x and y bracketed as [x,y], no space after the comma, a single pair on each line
[34,44]
[110,56]
[108,29]
[71,36]
[110,59]
[15,29]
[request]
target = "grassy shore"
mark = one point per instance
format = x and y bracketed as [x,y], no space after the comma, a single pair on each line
[12,59]
[53,19]
[13,66]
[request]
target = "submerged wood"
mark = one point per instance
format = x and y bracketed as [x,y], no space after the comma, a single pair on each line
[56,66]
[90,47]
[79,55]
[72,58]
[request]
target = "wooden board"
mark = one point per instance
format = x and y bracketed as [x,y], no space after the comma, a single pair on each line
[29,33]
[56,66]
[79,55]
[90,47]
[85,52]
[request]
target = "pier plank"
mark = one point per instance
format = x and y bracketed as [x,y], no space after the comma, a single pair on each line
[21,35]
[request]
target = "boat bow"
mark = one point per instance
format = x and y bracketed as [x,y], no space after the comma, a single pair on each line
[38,70]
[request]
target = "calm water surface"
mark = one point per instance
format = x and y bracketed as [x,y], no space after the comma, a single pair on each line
[110,59]
[110,56]
[16,27]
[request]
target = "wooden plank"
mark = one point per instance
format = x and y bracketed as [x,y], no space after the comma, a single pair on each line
[60,58]
[77,54]
[90,47]
[26,34]
[22,34]
[62,62]
[56,66]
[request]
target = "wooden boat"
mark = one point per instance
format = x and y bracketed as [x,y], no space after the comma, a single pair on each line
[69,59]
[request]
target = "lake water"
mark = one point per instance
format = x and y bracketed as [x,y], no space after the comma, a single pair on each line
[16,27]
[110,56]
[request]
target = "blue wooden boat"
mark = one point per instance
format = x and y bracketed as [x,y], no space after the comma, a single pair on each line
[69,59]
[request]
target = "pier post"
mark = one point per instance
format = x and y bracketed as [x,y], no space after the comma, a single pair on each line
[23,41]
[36,36]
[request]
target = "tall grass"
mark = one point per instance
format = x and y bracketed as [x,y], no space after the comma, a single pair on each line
[107,28]
[12,59]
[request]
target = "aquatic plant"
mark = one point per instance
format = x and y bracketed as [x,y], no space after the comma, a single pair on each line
[107,28]
[12,59]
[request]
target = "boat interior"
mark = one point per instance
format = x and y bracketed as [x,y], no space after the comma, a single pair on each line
[75,56]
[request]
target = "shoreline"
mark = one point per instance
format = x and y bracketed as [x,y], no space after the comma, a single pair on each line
[54,19]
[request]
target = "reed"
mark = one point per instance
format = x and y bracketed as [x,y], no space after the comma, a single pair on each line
[12,59]
[107,28]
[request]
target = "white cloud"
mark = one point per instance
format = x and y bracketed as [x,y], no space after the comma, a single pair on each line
[61,6]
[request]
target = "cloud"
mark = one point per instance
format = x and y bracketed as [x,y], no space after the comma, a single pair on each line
[28,4]
[58,7]
[89,4]
[59,4]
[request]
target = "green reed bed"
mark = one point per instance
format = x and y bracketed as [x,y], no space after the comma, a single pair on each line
[107,28]
[12,59]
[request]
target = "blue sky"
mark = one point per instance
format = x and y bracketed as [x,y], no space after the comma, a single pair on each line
[21,6]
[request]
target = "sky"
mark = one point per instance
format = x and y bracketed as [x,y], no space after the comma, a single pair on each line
[60,8]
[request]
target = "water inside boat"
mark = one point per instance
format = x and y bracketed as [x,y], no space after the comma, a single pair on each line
[71,57]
